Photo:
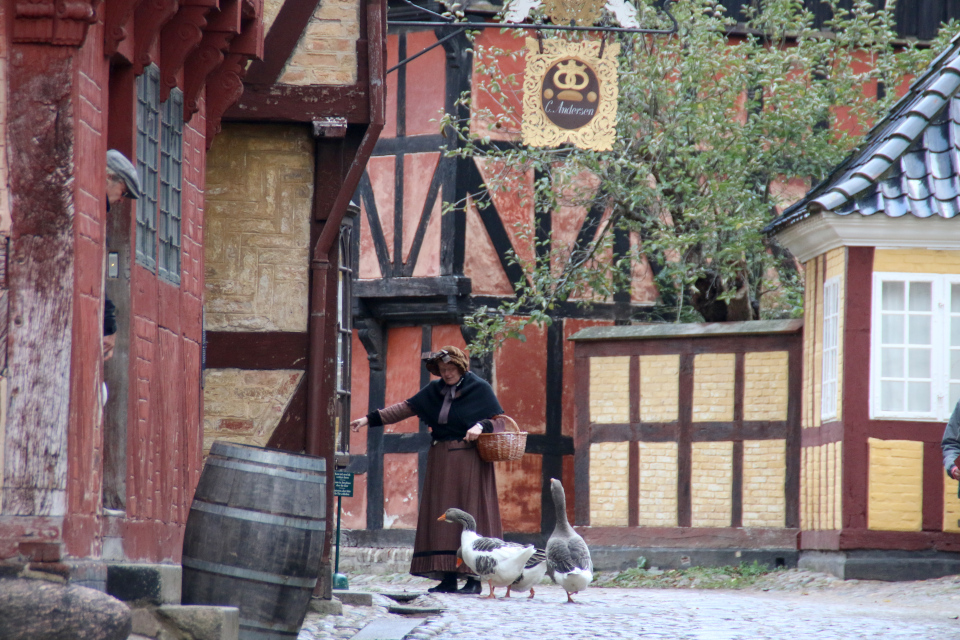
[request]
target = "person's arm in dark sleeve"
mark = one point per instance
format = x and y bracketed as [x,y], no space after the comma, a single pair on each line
[950,444]
[389,415]
[109,317]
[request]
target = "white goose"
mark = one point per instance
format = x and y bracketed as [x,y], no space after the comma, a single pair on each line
[533,572]
[567,554]
[496,562]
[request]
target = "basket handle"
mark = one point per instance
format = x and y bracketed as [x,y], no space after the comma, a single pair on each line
[509,424]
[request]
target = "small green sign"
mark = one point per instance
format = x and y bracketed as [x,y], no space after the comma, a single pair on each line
[343,484]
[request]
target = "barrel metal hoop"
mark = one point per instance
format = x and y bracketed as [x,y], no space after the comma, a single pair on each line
[268,456]
[258,516]
[247,574]
[266,471]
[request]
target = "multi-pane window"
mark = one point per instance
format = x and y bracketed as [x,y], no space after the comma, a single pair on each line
[344,335]
[916,346]
[171,184]
[831,349]
[148,155]
[160,168]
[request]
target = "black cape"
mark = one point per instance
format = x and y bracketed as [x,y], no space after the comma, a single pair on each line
[475,401]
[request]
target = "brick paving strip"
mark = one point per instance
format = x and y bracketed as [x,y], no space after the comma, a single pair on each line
[789,605]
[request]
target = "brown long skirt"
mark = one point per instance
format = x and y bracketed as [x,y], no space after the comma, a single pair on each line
[456,477]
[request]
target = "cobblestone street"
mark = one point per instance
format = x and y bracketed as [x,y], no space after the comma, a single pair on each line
[825,609]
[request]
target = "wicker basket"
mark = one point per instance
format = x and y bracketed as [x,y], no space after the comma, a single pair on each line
[505,445]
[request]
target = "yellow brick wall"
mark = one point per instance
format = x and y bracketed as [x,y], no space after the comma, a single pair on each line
[245,406]
[765,385]
[270,10]
[658,484]
[659,388]
[610,389]
[837,268]
[806,408]
[712,485]
[713,376]
[895,497]
[609,479]
[327,51]
[951,505]
[764,474]
[817,345]
[259,197]
[820,487]
[916,261]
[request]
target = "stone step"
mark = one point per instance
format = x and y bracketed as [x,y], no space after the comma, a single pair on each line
[194,622]
[356,598]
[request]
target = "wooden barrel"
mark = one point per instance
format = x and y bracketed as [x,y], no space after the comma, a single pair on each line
[254,537]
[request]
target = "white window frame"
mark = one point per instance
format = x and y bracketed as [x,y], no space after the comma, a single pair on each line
[940,346]
[829,366]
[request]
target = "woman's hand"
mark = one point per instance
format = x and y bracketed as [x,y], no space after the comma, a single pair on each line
[359,422]
[473,433]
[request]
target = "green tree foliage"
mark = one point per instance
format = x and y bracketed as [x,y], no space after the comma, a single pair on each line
[711,123]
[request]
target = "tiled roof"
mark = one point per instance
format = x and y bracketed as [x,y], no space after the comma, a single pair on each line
[908,163]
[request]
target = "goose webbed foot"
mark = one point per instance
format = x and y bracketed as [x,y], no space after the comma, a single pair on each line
[491,593]
[530,597]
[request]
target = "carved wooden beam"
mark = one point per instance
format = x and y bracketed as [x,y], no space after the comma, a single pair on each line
[62,22]
[116,17]
[224,87]
[149,19]
[222,28]
[291,103]
[179,38]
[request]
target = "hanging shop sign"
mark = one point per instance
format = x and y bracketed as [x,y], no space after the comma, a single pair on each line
[570,94]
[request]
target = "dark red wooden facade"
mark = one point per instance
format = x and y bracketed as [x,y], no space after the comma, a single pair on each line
[85,483]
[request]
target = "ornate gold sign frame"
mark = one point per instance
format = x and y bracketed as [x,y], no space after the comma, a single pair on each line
[537,128]
[579,11]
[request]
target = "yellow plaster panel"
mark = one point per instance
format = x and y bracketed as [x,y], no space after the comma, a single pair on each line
[916,261]
[659,388]
[821,470]
[765,385]
[836,263]
[711,488]
[809,313]
[245,406]
[838,485]
[951,505]
[609,479]
[713,375]
[895,498]
[658,484]
[257,237]
[764,475]
[817,344]
[610,389]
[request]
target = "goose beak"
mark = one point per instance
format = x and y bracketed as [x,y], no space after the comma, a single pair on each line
[442,518]
[459,562]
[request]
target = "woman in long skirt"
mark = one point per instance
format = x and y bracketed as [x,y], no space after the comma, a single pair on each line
[458,408]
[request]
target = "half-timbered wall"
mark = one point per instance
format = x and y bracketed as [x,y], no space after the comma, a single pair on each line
[688,436]
[867,483]
[420,271]
[260,195]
